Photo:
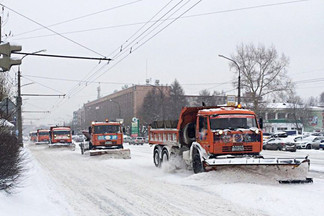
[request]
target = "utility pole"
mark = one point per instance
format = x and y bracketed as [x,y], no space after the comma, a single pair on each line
[19,118]
[239,78]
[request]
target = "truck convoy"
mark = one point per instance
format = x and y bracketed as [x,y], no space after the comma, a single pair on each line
[208,138]
[43,136]
[61,136]
[105,138]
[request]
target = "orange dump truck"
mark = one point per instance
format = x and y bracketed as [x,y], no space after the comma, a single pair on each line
[42,136]
[208,138]
[105,138]
[33,136]
[61,136]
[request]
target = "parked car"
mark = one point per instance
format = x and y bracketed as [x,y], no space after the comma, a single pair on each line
[283,144]
[137,141]
[279,134]
[266,136]
[305,142]
[318,143]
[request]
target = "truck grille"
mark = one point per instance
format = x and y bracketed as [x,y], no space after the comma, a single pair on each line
[229,148]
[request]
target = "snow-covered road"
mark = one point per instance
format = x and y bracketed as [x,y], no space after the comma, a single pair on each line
[102,186]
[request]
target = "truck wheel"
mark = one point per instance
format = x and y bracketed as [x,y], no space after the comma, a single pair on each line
[197,164]
[165,155]
[156,157]
[308,146]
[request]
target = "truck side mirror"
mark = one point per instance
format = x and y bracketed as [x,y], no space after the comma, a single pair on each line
[89,129]
[124,130]
[261,122]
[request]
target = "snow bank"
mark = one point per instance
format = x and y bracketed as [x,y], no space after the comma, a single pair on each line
[37,196]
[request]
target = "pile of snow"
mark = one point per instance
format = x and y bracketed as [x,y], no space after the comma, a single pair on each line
[37,195]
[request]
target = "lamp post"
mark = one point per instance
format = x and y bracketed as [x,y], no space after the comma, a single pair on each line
[119,116]
[239,78]
[19,102]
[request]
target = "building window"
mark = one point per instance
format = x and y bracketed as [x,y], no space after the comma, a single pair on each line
[281,115]
[282,128]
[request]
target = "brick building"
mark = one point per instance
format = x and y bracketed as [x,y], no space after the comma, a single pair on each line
[124,104]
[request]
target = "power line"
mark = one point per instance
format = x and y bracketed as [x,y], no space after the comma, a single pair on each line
[189,16]
[80,17]
[42,84]
[154,23]
[74,80]
[93,74]
[91,50]
[147,40]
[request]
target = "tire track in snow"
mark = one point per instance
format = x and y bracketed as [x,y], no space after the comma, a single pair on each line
[94,187]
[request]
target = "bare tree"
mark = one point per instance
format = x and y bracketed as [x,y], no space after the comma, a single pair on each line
[322,97]
[298,111]
[263,72]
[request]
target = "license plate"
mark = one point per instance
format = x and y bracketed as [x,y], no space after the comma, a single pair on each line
[108,142]
[237,148]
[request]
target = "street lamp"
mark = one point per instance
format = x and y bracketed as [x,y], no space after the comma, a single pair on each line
[239,78]
[19,102]
[119,116]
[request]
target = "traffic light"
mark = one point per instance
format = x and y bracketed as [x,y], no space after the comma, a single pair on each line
[6,62]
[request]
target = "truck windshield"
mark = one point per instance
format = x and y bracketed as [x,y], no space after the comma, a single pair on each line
[61,132]
[231,121]
[101,129]
[43,133]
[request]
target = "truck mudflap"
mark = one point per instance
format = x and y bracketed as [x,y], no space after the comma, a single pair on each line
[62,145]
[284,170]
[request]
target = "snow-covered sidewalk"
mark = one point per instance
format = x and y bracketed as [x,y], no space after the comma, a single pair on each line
[36,196]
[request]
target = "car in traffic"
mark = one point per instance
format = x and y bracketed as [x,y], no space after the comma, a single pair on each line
[137,141]
[127,139]
[78,138]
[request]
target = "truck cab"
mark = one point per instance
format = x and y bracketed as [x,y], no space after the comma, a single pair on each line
[227,130]
[105,135]
[60,134]
[43,136]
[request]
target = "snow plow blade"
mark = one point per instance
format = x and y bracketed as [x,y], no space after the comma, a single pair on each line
[283,170]
[41,143]
[62,145]
[307,180]
[113,153]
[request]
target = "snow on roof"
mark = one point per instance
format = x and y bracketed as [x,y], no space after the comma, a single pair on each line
[289,105]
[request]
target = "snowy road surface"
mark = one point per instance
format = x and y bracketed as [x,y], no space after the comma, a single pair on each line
[102,186]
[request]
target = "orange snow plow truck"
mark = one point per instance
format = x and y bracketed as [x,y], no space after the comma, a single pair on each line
[61,136]
[211,138]
[43,136]
[105,138]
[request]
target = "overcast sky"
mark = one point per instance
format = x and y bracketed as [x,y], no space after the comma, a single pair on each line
[185,49]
